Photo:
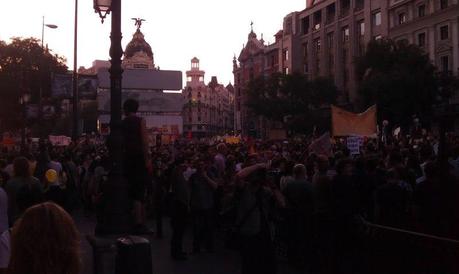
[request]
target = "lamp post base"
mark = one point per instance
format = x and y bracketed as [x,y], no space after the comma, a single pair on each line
[114,212]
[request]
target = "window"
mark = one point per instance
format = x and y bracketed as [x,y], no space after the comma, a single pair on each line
[317,45]
[377,18]
[361,28]
[305,25]
[188,79]
[190,119]
[345,7]
[359,4]
[422,39]
[199,127]
[443,4]
[444,33]
[140,66]
[285,54]
[444,62]
[199,94]
[199,118]
[330,41]
[201,78]
[331,13]
[331,57]
[345,32]
[422,11]
[317,19]
[305,51]
[401,18]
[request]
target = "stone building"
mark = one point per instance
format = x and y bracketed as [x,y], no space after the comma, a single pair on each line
[208,109]
[145,82]
[250,64]
[327,36]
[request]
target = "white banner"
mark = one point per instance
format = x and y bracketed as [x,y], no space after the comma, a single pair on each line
[60,140]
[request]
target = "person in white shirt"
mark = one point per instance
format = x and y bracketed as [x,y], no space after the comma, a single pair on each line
[220,159]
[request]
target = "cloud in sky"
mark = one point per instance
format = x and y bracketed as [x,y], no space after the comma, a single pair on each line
[177,30]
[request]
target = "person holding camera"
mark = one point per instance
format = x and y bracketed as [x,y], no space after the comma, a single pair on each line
[257,200]
[203,187]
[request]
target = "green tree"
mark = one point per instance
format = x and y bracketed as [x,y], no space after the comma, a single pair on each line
[399,78]
[24,67]
[291,97]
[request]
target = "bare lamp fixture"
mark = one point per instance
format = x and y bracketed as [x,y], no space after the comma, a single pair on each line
[103,7]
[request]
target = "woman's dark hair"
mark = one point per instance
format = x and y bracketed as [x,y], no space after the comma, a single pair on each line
[45,241]
[21,167]
[130,106]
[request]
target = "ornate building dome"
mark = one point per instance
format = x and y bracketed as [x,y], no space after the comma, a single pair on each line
[138,53]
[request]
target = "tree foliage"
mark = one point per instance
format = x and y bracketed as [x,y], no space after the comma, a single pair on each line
[24,67]
[291,96]
[399,78]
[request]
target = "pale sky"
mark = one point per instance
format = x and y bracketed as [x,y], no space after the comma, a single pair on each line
[177,30]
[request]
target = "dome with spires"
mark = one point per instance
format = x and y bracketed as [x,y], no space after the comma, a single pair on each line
[138,44]
[138,53]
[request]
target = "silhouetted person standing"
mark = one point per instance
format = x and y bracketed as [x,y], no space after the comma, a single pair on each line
[137,161]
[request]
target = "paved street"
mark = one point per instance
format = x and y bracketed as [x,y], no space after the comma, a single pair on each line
[222,261]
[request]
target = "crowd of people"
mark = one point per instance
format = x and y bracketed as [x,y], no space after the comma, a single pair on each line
[263,198]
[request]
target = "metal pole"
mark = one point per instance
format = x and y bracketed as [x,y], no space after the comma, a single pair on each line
[40,95]
[75,77]
[42,30]
[23,131]
[115,217]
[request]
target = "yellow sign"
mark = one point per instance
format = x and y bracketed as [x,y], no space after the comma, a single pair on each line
[232,140]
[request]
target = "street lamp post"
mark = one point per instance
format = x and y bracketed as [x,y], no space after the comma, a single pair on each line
[114,216]
[23,100]
[75,77]
[40,99]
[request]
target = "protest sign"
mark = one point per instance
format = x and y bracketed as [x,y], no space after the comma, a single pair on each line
[353,144]
[60,140]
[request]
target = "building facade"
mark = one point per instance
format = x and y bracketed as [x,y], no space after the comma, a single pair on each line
[208,109]
[141,81]
[325,38]
[249,65]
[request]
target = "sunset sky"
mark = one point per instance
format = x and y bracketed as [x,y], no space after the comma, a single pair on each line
[177,30]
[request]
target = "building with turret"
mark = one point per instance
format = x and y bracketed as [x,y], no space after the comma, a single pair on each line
[325,38]
[208,109]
